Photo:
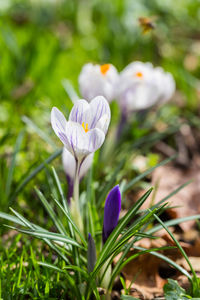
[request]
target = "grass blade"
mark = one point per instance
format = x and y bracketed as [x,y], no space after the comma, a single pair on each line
[50,236]
[178,245]
[72,223]
[11,218]
[69,89]
[13,161]
[39,131]
[58,184]
[168,260]
[24,222]
[147,172]
[35,172]
[172,223]
[51,212]
[114,235]
[50,266]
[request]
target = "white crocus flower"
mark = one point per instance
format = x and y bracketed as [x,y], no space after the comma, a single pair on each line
[86,128]
[141,86]
[166,83]
[95,80]
[82,135]
[69,164]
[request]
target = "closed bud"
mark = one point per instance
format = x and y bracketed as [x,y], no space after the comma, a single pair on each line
[111,212]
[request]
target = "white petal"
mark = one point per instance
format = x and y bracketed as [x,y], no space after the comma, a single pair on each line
[82,143]
[69,163]
[93,83]
[170,87]
[77,139]
[58,123]
[100,107]
[103,123]
[153,87]
[135,67]
[79,112]
[95,140]
[86,165]
[95,114]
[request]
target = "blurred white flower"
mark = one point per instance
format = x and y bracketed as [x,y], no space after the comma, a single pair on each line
[85,131]
[69,164]
[142,86]
[96,80]
[166,83]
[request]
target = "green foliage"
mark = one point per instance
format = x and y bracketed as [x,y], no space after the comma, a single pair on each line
[70,245]
[43,47]
[173,291]
[21,276]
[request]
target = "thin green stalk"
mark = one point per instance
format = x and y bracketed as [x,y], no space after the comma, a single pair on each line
[76,185]
[75,212]
[178,246]
[75,208]
[13,162]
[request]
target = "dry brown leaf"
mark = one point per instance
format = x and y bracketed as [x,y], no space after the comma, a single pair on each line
[147,281]
[194,248]
[195,262]
[146,270]
[167,179]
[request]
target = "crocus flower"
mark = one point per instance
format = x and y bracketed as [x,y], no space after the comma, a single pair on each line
[95,80]
[69,165]
[142,86]
[86,128]
[111,212]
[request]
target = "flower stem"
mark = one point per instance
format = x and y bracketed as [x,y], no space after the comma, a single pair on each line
[76,184]
[75,209]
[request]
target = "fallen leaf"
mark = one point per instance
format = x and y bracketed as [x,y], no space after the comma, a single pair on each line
[195,262]
[167,179]
[149,272]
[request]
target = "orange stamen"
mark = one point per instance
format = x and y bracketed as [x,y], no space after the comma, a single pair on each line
[85,126]
[139,74]
[104,69]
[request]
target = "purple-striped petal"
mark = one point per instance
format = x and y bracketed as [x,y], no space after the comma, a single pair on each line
[83,143]
[111,212]
[85,131]
[76,136]
[95,139]
[100,108]
[58,123]
[95,114]
[80,112]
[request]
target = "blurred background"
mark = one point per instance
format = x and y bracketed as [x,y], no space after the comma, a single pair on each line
[43,42]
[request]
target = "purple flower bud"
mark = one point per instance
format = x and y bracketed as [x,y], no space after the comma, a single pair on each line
[111,212]
[91,254]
